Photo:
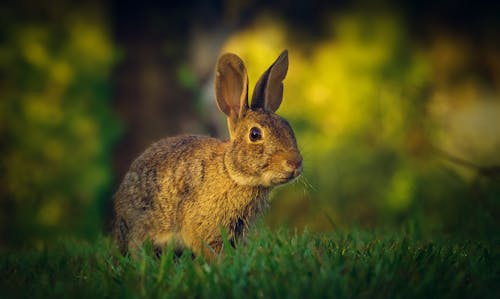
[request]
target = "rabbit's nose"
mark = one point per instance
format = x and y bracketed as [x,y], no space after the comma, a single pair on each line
[296,165]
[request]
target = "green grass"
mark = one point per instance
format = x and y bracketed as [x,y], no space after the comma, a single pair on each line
[272,264]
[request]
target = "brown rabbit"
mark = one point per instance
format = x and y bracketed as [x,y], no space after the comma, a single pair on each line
[185,190]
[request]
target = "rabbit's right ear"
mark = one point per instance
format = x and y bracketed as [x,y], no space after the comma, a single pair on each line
[231,88]
[268,92]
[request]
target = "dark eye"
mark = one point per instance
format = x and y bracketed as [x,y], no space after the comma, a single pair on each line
[255,134]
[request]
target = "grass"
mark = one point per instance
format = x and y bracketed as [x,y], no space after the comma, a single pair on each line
[272,264]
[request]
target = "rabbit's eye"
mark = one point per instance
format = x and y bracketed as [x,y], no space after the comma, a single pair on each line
[255,134]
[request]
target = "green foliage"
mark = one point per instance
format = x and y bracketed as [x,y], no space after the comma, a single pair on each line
[56,125]
[282,264]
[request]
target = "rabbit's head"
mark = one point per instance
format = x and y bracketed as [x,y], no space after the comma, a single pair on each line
[263,149]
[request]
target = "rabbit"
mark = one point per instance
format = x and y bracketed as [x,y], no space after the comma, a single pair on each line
[187,190]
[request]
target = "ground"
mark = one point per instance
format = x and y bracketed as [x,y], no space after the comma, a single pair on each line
[271,264]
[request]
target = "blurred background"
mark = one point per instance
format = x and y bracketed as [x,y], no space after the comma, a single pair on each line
[396,107]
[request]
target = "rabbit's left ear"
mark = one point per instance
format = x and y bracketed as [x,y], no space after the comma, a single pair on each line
[268,92]
[231,88]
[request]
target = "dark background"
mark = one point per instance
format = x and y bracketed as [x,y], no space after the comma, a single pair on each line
[395,107]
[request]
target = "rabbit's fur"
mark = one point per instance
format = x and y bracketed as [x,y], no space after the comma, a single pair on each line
[185,190]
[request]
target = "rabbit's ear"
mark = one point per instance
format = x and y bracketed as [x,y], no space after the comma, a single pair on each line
[268,92]
[231,88]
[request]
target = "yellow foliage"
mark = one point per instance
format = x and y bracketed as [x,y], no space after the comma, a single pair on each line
[91,43]
[335,85]
[349,98]
[51,211]
[32,42]
[55,118]
[401,190]
[61,72]
[39,109]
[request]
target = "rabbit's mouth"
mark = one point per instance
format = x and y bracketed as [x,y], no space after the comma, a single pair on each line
[292,171]
[282,180]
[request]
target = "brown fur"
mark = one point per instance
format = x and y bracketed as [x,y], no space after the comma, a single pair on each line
[185,189]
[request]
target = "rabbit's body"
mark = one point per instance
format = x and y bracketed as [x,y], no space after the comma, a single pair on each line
[167,198]
[186,190]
